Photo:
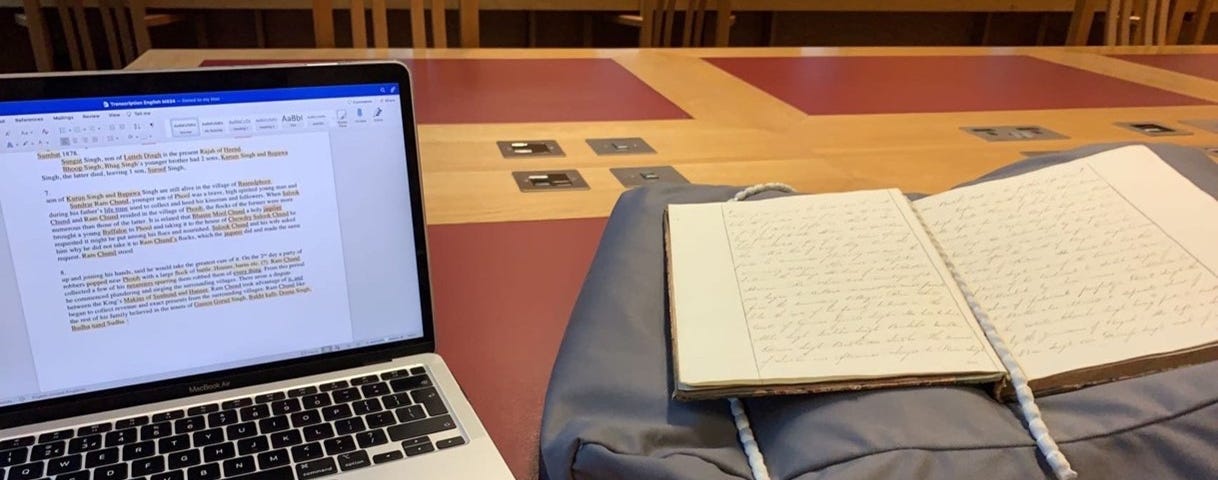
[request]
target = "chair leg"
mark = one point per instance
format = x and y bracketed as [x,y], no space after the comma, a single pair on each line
[200,23]
[69,33]
[1202,20]
[259,29]
[39,43]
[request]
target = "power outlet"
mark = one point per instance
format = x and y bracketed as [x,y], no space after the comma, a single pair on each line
[1013,133]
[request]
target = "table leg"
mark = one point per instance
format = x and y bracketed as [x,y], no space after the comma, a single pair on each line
[39,42]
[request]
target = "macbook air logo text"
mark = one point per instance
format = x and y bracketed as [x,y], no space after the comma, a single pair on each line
[207,387]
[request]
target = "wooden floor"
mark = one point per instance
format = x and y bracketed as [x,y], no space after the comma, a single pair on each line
[818,119]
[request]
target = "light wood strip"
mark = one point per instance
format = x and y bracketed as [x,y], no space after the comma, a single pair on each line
[323,23]
[359,27]
[471,33]
[439,27]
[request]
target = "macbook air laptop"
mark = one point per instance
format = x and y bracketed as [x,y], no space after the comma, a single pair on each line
[221,274]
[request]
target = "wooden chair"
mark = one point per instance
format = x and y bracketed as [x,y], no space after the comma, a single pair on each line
[323,24]
[656,22]
[125,22]
[1139,22]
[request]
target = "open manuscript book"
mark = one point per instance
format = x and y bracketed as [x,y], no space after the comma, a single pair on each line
[1090,271]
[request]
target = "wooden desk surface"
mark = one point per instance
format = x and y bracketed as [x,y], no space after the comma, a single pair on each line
[494,306]
[738,133]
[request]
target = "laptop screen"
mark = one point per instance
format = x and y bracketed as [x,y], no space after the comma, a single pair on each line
[153,237]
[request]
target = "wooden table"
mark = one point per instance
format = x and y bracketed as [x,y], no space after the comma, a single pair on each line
[818,119]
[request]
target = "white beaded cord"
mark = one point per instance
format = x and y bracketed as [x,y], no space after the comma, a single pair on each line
[1023,393]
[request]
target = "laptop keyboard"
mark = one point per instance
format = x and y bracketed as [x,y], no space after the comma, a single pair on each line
[301,433]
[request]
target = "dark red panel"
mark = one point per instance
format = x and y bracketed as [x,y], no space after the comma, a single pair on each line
[1198,64]
[532,90]
[503,293]
[900,84]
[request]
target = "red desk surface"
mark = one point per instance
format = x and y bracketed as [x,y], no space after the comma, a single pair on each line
[503,293]
[901,84]
[1198,64]
[528,90]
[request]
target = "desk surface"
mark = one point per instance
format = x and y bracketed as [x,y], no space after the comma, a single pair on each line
[746,116]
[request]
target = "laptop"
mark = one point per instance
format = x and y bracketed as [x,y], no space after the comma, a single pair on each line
[221,274]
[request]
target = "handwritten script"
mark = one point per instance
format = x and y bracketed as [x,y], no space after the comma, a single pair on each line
[1064,265]
[843,284]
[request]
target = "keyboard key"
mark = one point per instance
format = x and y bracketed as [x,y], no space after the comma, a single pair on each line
[326,387]
[353,461]
[346,395]
[62,435]
[101,457]
[219,452]
[418,371]
[285,407]
[410,383]
[375,389]
[274,424]
[190,424]
[170,415]
[174,475]
[411,413]
[419,449]
[313,433]
[156,430]
[316,401]
[208,437]
[14,456]
[210,471]
[66,464]
[348,426]
[255,412]
[430,398]
[78,475]
[238,403]
[121,437]
[396,400]
[364,407]
[93,429]
[242,430]
[300,392]
[421,427]
[371,438]
[139,450]
[239,466]
[203,409]
[388,457]
[396,374]
[48,450]
[336,412]
[174,444]
[82,444]
[273,459]
[180,460]
[335,446]
[286,439]
[147,466]
[306,452]
[220,419]
[306,418]
[131,423]
[17,442]
[364,380]
[29,471]
[254,445]
[282,473]
[416,441]
[382,419]
[117,471]
[269,397]
[450,442]
[316,468]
